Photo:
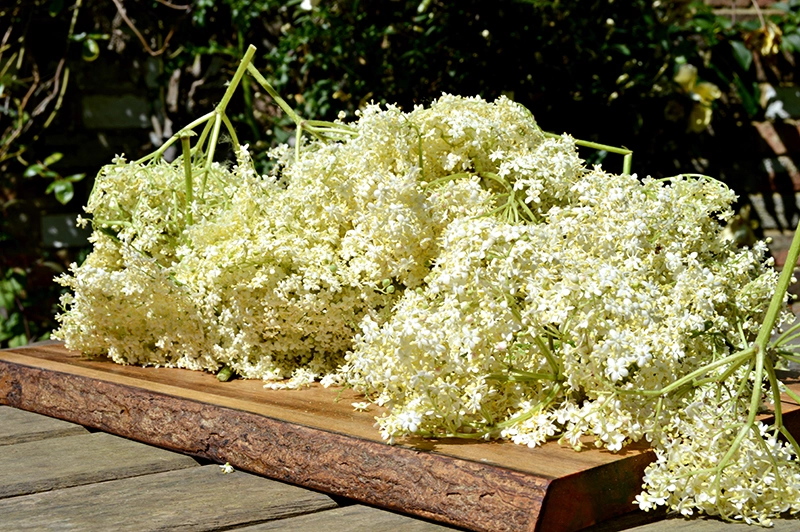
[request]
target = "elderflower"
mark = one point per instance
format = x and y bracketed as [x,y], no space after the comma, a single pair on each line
[467,273]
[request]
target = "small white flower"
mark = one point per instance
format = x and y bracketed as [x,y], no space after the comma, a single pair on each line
[362,406]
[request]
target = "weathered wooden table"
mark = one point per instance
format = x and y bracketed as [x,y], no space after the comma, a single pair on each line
[54,473]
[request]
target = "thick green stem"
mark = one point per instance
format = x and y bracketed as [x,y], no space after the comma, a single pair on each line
[298,138]
[755,402]
[548,355]
[244,65]
[776,304]
[688,379]
[776,393]
[160,151]
[274,94]
[199,151]
[248,99]
[219,113]
[626,162]
[187,172]
[212,146]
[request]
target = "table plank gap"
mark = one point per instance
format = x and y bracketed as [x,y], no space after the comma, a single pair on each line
[197,499]
[18,426]
[57,463]
[356,518]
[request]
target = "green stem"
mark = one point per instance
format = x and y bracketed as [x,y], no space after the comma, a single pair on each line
[248,99]
[686,379]
[788,335]
[522,376]
[187,172]
[626,162]
[298,138]
[219,113]
[212,146]
[496,178]
[776,392]
[198,146]
[274,94]
[548,355]
[547,401]
[792,395]
[720,378]
[331,125]
[328,131]
[232,132]
[447,178]
[160,151]
[777,302]
[790,439]
[244,65]
[755,401]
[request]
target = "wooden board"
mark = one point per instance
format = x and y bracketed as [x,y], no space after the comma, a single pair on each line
[355,518]
[195,498]
[308,438]
[38,466]
[18,426]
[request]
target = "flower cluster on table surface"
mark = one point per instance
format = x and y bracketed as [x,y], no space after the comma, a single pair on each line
[466,272]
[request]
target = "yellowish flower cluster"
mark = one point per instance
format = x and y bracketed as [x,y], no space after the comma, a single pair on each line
[462,269]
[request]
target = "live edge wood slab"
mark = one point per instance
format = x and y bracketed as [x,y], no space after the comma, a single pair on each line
[314,438]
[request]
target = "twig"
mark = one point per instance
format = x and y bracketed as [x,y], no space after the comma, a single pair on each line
[758,12]
[123,14]
[174,6]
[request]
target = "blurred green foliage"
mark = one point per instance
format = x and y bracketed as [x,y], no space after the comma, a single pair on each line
[673,81]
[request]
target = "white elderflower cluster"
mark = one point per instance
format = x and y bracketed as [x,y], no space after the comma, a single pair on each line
[463,270]
[761,481]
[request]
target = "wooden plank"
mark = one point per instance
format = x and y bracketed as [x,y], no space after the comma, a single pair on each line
[197,498]
[18,426]
[307,438]
[355,518]
[317,407]
[71,461]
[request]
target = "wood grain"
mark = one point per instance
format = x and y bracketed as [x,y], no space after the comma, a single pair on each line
[355,518]
[18,426]
[174,500]
[38,465]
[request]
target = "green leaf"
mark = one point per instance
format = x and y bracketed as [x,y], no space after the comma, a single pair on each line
[742,55]
[74,178]
[55,8]
[623,49]
[749,99]
[18,341]
[63,191]
[794,40]
[53,158]
[32,170]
